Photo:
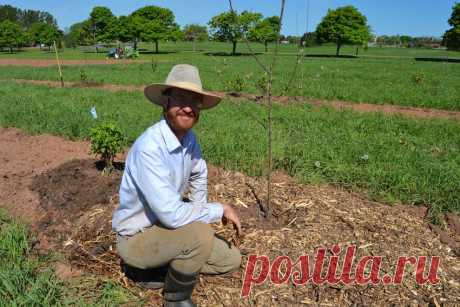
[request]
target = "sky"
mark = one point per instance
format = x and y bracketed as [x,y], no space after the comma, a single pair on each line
[390,17]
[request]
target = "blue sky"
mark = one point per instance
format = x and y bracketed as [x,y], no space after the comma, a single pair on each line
[411,17]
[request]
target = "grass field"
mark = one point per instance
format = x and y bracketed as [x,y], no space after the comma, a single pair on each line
[393,159]
[27,280]
[379,75]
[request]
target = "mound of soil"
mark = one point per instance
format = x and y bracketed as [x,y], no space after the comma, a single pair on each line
[72,205]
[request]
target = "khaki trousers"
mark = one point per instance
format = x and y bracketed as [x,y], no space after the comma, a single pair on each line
[188,249]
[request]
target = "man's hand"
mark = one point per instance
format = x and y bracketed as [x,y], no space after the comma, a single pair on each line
[230,215]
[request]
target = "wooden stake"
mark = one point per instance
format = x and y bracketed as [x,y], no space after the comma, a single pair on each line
[59,65]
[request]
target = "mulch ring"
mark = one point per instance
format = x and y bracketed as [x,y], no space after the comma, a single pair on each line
[412,112]
[80,202]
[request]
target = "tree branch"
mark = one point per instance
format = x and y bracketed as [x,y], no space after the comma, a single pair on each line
[264,68]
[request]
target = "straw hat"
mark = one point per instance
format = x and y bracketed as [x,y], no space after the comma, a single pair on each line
[185,77]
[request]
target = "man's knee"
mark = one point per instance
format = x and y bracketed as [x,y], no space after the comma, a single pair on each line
[235,259]
[200,235]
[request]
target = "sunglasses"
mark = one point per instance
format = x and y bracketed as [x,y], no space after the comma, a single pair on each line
[185,101]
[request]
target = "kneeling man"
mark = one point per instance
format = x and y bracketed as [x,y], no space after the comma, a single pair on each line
[155,226]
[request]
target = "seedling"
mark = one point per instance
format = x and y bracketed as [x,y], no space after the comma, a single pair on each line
[107,140]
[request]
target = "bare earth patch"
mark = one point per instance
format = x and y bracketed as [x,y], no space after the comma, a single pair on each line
[46,62]
[53,183]
[412,112]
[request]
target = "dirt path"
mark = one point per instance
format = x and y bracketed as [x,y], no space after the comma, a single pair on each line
[53,183]
[49,62]
[412,112]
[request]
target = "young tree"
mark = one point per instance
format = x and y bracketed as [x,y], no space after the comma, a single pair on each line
[266,31]
[231,26]
[345,25]
[10,35]
[451,38]
[153,24]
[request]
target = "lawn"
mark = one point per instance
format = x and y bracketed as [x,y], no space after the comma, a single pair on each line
[379,75]
[389,158]
[26,279]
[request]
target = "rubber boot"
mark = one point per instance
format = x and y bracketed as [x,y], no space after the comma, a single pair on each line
[146,278]
[178,289]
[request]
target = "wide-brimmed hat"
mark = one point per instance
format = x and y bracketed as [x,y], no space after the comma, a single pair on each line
[185,77]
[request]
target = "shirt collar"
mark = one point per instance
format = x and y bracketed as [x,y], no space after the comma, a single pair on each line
[171,140]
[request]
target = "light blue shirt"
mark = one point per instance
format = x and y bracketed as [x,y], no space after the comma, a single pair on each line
[158,171]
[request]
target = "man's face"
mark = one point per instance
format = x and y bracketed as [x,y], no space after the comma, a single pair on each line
[182,110]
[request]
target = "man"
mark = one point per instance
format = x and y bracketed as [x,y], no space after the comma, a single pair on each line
[155,227]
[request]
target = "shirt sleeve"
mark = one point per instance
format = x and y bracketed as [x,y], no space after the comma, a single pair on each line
[198,182]
[151,177]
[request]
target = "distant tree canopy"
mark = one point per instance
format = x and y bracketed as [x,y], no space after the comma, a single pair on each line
[451,38]
[407,41]
[25,18]
[26,27]
[231,26]
[101,26]
[43,33]
[344,25]
[154,24]
[266,31]
[10,35]
[195,32]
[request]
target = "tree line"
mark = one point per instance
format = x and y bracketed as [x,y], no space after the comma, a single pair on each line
[153,24]
[20,28]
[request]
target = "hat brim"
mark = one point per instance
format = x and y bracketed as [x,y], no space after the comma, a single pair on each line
[154,93]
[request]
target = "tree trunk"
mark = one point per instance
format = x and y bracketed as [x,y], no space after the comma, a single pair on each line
[135,44]
[337,53]
[11,49]
[97,49]
[357,51]
[156,46]
[234,47]
[266,47]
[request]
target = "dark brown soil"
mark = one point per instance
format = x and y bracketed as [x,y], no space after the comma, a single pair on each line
[54,184]
[46,62]
[412,112]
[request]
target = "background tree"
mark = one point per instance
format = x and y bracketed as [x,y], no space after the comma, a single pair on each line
[153,24]
[266,31]
[43,33]
[101,26]
[194,33]
[309,39]
[345,25]
[75,35]
[25,18]
[451,38]
[231,26]
[125,29]
[225,27]
[10,35]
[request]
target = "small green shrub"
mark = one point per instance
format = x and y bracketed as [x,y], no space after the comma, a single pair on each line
[83,76]
[418,78]
[262,84]
[107,140]
[238,84]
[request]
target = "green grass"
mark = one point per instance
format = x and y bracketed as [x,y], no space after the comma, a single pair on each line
[410,161]
[28,280]
[381,75]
